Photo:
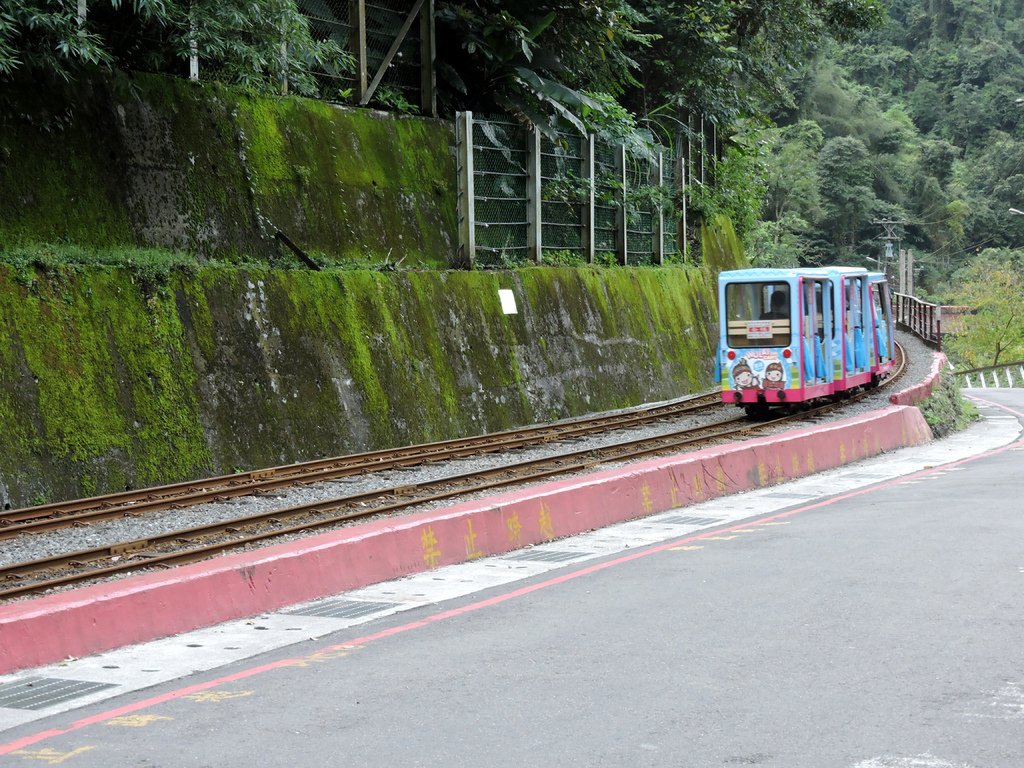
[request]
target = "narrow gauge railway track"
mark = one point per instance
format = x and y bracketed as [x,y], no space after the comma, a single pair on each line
[180,495]
[200,542]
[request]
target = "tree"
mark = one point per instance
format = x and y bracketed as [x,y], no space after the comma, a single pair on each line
[536,59]
[727,59]
[844,168]
[244,40]
[993,287]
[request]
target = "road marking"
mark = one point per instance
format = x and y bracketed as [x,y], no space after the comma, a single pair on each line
[919,761]
[209,696]
[684,549]
[1006,704]
[136,721]
[51,756]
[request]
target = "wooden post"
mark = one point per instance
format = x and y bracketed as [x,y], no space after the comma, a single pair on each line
[910,272]
[357,45]
[467,212]
[284,68]
[621,217]
[428,53]
[589,238]
[534,221]
[390,55]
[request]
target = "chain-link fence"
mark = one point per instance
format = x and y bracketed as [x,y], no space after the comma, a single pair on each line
[563,199]
[386,41]
[360,52]
[500,183]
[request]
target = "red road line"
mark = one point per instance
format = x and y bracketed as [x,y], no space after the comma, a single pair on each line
[77,725]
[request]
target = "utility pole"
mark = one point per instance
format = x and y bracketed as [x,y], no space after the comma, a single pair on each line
[889,235]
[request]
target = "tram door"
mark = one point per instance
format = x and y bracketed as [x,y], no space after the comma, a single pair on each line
[813,331]
[883,322]
[855,341]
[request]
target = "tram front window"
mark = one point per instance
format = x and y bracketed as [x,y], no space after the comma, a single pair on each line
[758,314]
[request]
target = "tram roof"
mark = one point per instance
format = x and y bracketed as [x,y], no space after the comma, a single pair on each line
[767,274]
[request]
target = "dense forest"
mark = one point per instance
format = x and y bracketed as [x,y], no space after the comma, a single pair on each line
[828,115]
[919,121]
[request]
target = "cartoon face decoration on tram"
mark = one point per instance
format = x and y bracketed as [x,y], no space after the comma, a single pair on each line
[760,372]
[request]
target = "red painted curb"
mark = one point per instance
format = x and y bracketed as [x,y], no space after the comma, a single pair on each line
[920,392]
[148,606]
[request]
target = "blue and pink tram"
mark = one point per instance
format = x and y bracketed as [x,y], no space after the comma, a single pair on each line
[792,335]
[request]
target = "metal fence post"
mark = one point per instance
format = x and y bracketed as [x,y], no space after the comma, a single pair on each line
[658,213]
[193,47]
[588,237]
[621,217]
[466,194]
[534,224]
[703,150]
[681,233]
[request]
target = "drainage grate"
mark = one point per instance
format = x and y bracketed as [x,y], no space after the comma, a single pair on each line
[684,520]
[43,692]
[547,555]
[342,609]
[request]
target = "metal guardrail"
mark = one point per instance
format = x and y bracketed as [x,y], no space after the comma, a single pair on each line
[921,318]
[993,376]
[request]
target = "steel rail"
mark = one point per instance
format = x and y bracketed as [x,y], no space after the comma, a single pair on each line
[179,495]
[319,514]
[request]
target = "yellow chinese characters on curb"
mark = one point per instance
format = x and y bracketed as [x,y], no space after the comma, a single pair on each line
[515,529]
[547,527]
[472,550]
[431,553]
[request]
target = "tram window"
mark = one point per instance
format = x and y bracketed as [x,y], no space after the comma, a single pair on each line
[757,314]
[819,309]
[853,305]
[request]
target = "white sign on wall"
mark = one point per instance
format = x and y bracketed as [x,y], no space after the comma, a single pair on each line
[508,301]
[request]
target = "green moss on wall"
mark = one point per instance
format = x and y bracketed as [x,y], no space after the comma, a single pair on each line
[107,382]
[95,392]
[165,162]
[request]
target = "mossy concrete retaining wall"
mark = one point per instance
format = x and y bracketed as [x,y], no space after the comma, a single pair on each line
[105,384]
[151,161]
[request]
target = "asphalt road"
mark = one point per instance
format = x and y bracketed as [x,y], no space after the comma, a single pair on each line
[882,631]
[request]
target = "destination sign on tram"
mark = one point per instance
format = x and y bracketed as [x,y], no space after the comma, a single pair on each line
[759,330]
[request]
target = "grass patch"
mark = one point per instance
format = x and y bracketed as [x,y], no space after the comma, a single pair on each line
[150,268]
[947,410]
